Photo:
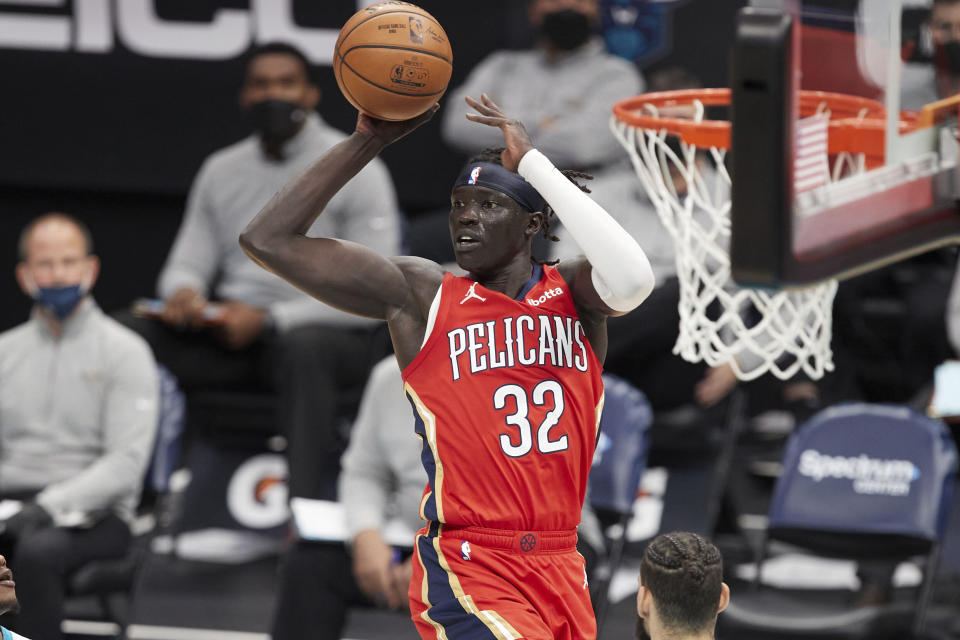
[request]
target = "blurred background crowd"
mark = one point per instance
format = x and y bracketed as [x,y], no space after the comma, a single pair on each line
[177,425]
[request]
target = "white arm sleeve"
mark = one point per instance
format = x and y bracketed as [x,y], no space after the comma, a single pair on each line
[621,271]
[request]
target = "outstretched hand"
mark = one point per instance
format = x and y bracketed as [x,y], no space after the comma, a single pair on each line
[388,132]
[515,137]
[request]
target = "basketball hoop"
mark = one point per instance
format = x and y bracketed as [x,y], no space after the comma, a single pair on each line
[755,330]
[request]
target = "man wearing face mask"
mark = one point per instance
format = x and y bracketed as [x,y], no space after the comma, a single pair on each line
[562,90]
[226,323]
[945,33]
[932,57]
[78,413]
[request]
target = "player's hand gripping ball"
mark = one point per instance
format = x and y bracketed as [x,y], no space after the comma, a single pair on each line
[392,60]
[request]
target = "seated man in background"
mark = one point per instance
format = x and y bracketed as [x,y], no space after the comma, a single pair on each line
[681,588]
[932,56]
[563,91]
[8,599]
[262,333]
[78,414]
[380,488]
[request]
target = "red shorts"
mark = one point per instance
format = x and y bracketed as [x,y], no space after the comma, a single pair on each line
[471,583]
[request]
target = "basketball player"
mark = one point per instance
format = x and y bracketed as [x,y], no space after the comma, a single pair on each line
[501,367]
[681,588]
[8,599]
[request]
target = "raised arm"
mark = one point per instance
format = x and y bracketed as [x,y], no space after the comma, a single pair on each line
[343,274]
[616,276]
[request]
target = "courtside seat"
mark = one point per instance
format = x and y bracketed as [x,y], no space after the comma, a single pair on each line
[623,443]
[111,584]
[772,614]
[870,483]
[618,467]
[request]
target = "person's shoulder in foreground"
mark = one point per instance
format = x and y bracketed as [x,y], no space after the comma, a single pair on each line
[681,588]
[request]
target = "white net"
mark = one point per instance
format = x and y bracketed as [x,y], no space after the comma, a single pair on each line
[756,331]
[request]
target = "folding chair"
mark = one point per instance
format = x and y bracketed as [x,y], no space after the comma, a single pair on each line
[618,465]
[861,482]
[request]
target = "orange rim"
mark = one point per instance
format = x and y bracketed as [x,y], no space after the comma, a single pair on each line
[857,125]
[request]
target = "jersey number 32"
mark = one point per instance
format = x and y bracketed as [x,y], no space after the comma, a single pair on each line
[520,420]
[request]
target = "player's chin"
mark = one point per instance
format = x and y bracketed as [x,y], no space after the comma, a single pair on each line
[470,257]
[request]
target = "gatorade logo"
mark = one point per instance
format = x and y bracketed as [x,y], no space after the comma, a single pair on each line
[551,293]
[257,492]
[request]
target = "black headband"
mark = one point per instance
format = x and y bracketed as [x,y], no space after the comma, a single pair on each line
[498,178]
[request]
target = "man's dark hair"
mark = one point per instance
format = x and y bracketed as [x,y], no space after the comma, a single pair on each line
[274,48]
[492,154]
[23,244]
[684,573]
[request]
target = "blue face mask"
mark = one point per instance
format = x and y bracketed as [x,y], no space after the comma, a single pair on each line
[61,301]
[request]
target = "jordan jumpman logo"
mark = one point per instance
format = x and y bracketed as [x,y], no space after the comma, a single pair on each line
[472,294]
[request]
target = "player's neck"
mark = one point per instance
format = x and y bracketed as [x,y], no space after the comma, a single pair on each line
[668,634]
[510,279]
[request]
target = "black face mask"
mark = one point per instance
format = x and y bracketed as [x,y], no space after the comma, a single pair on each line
[276,120]
[947,56]
[566,29]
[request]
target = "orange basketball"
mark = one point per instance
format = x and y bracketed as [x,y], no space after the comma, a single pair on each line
[392,60]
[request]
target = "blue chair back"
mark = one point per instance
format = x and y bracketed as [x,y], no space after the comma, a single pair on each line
[622,446]
[866,469]
[171,415]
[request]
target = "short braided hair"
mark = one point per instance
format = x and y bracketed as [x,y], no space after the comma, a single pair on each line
[684,573]
[492,154]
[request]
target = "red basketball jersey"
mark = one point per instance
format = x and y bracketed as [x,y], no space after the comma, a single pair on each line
[506,396]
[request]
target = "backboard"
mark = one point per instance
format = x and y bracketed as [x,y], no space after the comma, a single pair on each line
[818,195]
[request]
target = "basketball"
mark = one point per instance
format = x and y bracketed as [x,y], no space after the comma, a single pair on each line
[392,60]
